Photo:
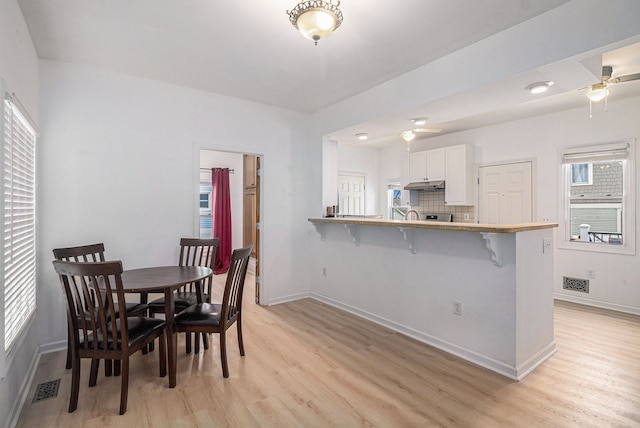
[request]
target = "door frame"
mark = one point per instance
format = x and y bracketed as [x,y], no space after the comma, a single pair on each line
[261,289]
[534,181]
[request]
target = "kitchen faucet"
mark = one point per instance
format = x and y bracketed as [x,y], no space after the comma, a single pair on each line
[406,216]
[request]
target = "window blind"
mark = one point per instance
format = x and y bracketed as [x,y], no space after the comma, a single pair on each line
[18,215]
[602,153]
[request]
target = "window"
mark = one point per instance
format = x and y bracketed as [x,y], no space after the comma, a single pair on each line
[598,197]
[18,215]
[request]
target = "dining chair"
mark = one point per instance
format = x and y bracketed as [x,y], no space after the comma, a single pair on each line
[217,318]
[94,253]
[193,252]
[98,333]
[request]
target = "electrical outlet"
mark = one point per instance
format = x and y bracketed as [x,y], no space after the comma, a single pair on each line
[457,308]
[466,217]
[324,271]
[546,244]
[591,273]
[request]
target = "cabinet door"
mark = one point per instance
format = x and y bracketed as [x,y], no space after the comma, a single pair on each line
[249,167]
[459,175]
[435,164]
[417,166]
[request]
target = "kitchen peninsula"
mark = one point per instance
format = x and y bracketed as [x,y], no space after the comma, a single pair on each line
[483,292]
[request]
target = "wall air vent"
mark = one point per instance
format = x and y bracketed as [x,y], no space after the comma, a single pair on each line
[575,284]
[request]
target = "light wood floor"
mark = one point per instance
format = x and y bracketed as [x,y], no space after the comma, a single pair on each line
[310,365]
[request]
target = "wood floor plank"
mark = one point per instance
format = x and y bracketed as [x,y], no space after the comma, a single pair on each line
[312,365]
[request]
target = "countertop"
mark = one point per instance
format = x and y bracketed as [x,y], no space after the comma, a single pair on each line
[437,225]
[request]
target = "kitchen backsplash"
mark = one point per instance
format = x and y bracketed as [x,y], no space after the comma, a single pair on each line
[433,202]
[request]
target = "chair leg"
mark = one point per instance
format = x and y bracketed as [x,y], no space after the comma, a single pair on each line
[162,358]
[108,368]
[124,389]
[93,375]
[223,353]
[187,344]
[240,341]
[116,367]
[75,384]
[205,340]
[68,365]
[196,337]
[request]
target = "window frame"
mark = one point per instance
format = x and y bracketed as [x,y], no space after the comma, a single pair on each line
[22,228]
[628,199]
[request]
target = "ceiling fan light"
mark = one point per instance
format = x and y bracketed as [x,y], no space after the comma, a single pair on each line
[419,121]
[598,92]
[316,19]
[539,87]
[408,136]
[362,136]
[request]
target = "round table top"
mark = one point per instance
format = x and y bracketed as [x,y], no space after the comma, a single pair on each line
[162,277]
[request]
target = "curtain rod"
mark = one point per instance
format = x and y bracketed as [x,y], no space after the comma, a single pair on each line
[231,170]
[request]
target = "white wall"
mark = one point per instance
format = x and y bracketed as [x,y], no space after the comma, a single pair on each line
[19,70]
[121,159]
[213,159]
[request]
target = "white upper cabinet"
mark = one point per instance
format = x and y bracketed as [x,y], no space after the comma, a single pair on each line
[427,165]
[459,187]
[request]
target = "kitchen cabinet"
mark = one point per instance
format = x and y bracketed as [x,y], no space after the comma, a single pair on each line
[459,188]
[428,165]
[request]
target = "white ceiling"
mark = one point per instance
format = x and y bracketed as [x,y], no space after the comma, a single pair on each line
[248,49]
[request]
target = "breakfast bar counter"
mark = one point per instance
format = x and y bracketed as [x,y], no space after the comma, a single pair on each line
[483,292]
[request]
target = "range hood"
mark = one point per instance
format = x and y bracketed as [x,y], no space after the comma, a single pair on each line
[429,186]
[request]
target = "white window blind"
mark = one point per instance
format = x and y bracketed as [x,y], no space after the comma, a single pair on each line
[18,214]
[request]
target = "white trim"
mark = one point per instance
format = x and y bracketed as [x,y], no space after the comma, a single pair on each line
[23,392]
[629,203]
[596,303]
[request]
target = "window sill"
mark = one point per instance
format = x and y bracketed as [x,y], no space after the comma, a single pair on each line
[628,250]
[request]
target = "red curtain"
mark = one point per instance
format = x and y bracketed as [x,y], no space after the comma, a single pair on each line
[221,221]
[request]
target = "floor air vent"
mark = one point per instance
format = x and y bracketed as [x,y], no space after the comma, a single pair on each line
[46,390]
[575,284]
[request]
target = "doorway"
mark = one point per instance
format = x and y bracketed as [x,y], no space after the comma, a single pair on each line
[244,189]
[505,193]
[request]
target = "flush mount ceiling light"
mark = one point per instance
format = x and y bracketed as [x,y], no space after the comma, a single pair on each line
[539,87]
[316,19]
[408,136]
[419,121]
[362,136]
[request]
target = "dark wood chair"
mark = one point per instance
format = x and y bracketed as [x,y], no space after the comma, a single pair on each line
[98,333]
[94,253]
[217,318]
[193,252]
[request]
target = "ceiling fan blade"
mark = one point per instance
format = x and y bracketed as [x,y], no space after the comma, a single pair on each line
[627,78]
[431,130]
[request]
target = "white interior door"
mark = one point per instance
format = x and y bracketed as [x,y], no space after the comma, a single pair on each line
[351,194]
[505,194]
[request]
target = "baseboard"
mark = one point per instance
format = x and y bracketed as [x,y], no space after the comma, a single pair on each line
[512,372]
[47,348]
[21,396]
[289,298]
[596,303]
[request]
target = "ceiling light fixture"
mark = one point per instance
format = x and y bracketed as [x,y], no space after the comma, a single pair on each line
[597,92]
[362,136]
[316,19]
[419,121]
[539,87]
[408,136]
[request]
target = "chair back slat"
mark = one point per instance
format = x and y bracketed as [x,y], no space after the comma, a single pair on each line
[232,298]
[93,285]
[198,252]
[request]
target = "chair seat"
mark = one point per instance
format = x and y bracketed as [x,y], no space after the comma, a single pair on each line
[181,300]
[200,314]
[140,328]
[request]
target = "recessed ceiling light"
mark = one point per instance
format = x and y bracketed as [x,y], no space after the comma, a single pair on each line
[539,87]
[362,136]
[419,120]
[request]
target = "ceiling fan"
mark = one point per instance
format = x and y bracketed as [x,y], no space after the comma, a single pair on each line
[600,91]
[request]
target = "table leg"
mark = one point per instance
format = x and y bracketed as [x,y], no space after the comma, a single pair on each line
[172,343]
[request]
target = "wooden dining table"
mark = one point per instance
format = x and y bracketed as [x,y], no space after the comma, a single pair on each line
[165,279]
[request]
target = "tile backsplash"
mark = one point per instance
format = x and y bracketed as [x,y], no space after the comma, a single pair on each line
[433,202]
